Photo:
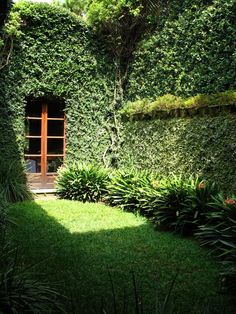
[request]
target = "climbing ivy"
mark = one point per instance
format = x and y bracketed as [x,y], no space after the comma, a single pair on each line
[192,51]
[57,56]
[203,145]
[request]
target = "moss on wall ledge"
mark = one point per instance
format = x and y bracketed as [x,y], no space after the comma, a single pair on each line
[199,145]
[173,106]
[180,112]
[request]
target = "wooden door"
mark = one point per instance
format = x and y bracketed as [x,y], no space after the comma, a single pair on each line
[45,143]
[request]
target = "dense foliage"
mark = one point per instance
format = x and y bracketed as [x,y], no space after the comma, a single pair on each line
[81,182]
[13,185]
[62,58]
[204,145]
[20,293]
[219,235]
[56,56]
[125,186]
[192,52]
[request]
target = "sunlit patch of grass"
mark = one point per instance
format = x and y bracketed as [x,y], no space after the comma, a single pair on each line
[80,244]
[79,218]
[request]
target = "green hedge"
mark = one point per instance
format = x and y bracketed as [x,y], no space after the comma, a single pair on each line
[204,145]
[57,56]
[192,52]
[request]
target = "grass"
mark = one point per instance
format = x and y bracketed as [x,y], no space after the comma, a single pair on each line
[82,246]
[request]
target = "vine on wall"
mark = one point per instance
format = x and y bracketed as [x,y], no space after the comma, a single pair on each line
[192,52]
[202,145]
[57,56]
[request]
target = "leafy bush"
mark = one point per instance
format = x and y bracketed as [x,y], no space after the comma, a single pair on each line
[127,188]
[138,106]
[2,215]
[196,207]
[172,201]
[13,184]
[86,183]
[219,234]
[175,203]
[19,293]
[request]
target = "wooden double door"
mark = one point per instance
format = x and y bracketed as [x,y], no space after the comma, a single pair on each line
[44,142]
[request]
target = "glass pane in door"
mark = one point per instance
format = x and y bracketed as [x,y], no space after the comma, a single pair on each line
[53,163]
[55,109]
[55,127]
[33,164]
[34,109]
[33,146]
[32,127]
[55,146]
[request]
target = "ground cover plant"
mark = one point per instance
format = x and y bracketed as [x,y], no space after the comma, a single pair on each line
[91,243]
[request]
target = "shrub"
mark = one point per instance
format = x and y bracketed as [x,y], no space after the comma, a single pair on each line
[13,184]
[86,183]
[219,235]
[196,207]
[177,203]
[128,187]
[19,293]
[166,209]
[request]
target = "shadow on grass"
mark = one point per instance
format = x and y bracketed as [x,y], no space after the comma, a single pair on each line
[83,263]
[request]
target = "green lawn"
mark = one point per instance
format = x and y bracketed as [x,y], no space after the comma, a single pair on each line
[78,245]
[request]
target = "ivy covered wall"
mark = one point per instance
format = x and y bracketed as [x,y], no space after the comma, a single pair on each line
[191,52]
[57,56]
[203,145]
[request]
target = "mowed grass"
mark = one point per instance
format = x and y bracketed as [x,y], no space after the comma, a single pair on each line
[83,247]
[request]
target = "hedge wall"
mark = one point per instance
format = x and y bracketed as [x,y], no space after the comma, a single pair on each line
[204,145]
[57,56]
[192,51]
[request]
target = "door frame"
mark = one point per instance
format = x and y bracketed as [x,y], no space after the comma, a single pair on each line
[44,179]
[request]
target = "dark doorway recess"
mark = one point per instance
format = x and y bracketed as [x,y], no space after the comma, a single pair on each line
[44,141]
